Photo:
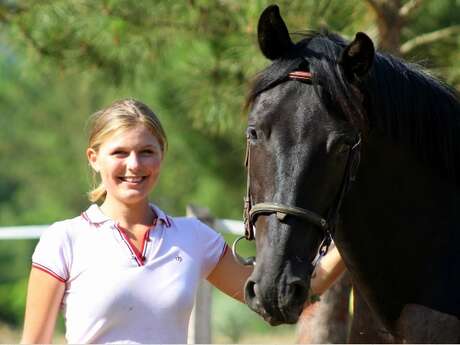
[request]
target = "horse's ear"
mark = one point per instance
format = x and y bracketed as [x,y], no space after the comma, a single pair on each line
[273,35]
[357,58]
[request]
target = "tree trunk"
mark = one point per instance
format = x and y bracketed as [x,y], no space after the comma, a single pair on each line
[390,21]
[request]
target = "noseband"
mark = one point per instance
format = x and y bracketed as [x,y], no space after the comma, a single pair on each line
[326,225]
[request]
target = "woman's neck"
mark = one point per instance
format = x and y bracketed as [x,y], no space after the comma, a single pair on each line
[129,215]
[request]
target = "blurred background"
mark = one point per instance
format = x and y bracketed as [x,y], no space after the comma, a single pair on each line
[191,62]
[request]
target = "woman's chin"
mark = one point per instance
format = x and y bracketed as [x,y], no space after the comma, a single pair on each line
[133,197]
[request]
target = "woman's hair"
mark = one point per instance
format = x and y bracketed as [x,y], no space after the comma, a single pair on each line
[120,115]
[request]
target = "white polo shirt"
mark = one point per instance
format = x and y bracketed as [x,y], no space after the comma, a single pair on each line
[116,294]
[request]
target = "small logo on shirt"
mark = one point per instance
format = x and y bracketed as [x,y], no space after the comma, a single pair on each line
[178,258]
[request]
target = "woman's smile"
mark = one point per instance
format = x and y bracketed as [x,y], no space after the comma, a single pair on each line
[132,179]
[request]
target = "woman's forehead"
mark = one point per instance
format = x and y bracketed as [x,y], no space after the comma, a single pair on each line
[137,135]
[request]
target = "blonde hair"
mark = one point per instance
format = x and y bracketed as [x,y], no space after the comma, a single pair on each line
[120,115]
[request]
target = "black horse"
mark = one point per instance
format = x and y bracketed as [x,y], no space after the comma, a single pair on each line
[336,126]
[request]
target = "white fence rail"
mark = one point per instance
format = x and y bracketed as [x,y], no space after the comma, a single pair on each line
[200,322]
[25,232]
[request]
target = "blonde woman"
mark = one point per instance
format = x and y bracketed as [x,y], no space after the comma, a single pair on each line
[124,270]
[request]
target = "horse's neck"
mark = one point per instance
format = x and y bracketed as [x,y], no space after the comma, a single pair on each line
[398,228]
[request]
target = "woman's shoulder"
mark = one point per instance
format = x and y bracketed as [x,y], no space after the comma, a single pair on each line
[189,224]
[194,230]
[177,223]
[185,222]
[183,225]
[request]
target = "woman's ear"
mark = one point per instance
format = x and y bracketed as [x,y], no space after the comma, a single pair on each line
[91,154]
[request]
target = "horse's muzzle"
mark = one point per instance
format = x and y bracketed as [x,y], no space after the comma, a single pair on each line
[282,305]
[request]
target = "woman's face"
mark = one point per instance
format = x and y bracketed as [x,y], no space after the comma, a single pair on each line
[129,163]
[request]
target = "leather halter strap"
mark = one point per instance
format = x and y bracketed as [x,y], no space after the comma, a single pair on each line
[282,211]
[300,75]
[251,211]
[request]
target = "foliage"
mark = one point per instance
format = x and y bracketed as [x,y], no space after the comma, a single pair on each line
[441,55]
[12,301]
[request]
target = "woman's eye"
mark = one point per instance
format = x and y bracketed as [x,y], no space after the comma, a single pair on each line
[149,152]
[117,153]
[251,133]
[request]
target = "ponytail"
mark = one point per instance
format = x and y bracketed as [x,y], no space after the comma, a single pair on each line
[97,194]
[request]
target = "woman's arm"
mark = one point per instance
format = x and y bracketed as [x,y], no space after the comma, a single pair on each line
[229,276]
[327,272]
[44,297]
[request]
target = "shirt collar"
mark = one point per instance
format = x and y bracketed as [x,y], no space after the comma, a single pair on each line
[96,217]
[161,216]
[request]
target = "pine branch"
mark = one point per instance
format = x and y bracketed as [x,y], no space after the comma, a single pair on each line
[428,38]
[39,48]
[410,7]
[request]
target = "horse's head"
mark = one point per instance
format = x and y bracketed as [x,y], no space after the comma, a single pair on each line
[302,148]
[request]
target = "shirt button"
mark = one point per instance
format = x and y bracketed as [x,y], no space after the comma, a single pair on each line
[144,258]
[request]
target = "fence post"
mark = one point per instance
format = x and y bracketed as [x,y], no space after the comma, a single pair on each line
[199,331]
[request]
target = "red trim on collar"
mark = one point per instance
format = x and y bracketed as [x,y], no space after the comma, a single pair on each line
[132,248]
[85,216]
[144,241]
[139,255]
[159,215]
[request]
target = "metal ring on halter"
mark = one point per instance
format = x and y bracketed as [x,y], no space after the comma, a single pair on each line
[249,261]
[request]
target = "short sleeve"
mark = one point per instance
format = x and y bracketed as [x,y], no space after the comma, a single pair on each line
[52,253]
[212,247]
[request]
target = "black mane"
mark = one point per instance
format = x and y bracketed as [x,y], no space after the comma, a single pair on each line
[403,101]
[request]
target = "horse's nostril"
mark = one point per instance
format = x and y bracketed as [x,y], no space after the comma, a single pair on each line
[250,290]
[299,291]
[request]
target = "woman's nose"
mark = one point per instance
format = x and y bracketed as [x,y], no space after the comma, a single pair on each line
[133,161]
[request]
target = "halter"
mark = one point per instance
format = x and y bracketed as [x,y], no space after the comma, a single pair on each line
[326,225]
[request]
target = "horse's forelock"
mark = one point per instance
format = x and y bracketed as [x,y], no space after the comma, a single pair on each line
[322,51]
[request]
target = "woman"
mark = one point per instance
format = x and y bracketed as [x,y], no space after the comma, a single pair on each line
[125,271]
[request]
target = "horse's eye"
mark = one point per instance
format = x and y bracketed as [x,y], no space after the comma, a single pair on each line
[251,133]
[343,148]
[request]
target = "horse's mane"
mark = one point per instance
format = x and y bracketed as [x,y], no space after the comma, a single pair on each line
[405,102]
